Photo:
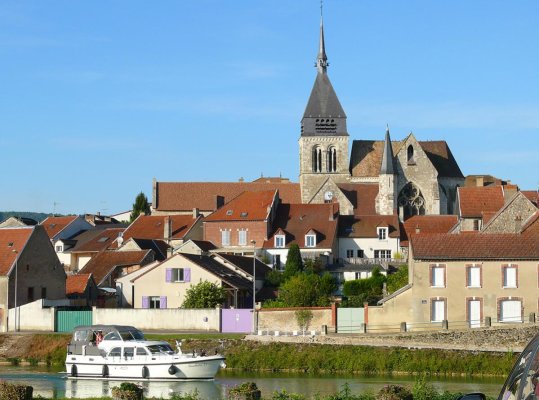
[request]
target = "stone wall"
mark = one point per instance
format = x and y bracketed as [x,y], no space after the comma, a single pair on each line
[284,320]
[513,217]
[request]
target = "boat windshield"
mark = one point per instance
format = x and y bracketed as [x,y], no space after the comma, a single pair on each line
[160,348]
[131,335]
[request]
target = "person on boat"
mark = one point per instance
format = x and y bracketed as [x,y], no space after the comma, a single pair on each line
[98,338]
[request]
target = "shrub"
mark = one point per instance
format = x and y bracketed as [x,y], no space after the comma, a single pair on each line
[9,391]
[127,391]
[304,318]
[423,390]
[186,396]
[245,391]
[394,392]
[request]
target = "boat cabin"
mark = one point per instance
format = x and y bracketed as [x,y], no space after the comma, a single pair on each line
[86,339]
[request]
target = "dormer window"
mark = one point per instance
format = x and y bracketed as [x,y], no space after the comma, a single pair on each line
[279,241]
[382,233]
[310,240]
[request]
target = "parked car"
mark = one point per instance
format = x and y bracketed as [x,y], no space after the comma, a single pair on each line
[523,381]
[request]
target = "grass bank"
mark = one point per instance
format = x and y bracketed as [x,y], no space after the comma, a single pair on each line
[313,358]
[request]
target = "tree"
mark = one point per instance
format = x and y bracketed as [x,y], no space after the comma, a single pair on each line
[307,290]
[368,290]
[204,295]
[398,279]
[294,263]
[141,206]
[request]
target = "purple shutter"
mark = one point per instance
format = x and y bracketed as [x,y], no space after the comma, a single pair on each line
[169,275]
[187,274]
[163,302]
[145,302]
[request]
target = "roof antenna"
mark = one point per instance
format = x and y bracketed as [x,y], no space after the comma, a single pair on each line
[321,7]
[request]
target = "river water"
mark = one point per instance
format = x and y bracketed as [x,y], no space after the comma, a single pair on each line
[53,384]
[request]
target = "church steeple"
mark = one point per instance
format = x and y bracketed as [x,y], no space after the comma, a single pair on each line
[322,59]
[387,166]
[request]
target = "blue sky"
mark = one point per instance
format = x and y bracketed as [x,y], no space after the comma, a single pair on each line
[97,98]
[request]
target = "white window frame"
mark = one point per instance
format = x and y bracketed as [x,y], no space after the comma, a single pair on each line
[382,233]
[438,305]
[310,240]
[473,276]
[511,318]
[437,273]
[59,249]
[510,282]
[178,275]
[225,237]
[279,241]
[242,237]
[383,254]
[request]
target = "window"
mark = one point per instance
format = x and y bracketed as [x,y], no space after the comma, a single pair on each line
[317,159]
[177,274]
[310,240]
[437,310]
[410,154]
[473,276]
[30,294]
[225,238]
[115,352]
[141,351]
[360,254]
[510,310]
[129,352]
[242,237]
[382,233]
[331,165]
[155,302]
[437,276]
[59,249]
[510,276]
[279,241]
[349,253]
[277,262]
[385,254]
[475,224]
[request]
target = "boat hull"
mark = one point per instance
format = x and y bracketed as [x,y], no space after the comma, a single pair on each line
[153,368]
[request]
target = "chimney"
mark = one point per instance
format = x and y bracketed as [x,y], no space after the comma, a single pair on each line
[167,227]
[479,181]
[120,239]
[195,213]
[331,212]
[417,229]
[518,224]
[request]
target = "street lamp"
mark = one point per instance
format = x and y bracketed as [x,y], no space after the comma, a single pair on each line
[254,285]
[16,273]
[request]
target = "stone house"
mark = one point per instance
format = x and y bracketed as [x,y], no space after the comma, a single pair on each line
[82,288]
[29,269]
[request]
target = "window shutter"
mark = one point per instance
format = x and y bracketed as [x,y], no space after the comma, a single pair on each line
[145,302]
[163,302]
[187,274]
[169,275]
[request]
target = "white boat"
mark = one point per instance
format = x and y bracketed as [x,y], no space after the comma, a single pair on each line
[124,354]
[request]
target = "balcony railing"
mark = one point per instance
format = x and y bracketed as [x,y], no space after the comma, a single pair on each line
[369,261]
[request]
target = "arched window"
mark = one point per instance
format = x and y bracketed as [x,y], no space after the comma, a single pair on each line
[410,153]
[317,159]
[411,201]
[331,159]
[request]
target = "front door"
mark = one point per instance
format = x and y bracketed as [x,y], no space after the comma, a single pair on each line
[474,313]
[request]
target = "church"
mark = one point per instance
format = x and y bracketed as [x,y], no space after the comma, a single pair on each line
[407,177]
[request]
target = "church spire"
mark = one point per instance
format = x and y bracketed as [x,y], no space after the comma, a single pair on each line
[322,59]
[387,166]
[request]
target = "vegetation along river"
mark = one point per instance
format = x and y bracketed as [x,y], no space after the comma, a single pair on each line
[50,383]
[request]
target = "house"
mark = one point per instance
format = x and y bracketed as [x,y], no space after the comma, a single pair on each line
[207,197]
[466,277]
[29,269]
[243,223]
[165,284]
[14,222]
[200,247]
[425,224]
[82,287]
[313,227]
[476,205]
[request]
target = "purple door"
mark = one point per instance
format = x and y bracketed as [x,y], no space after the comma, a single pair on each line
[237,320]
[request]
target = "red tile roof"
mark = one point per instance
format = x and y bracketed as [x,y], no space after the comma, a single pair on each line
[76,284]
[365,226]
[184,196]
[106,261]
[12,239]
[478,246]
[474,201]
[297,219]
[427,224]
[96,240]
[153,227]
[248,206]
[532,195]
[362,196]
[54,225]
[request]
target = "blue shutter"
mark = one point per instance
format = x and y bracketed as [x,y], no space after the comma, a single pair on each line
[145,302]
[163,302]
[168,277]
[187,274]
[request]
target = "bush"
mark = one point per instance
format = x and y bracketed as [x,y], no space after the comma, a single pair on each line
[394,392]
[423,390]
[245,391]
[187,396]
[304,318]
[127,391]
[9,391]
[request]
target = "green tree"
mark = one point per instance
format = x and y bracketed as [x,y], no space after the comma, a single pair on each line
[141,206]
[398,279]
[368,290]
[204,295]
[294,263]
[307,290]
[313,266]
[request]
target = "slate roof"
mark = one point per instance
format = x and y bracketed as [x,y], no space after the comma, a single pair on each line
[95,240]
[106,261]
[160,247]
[365,226]
[246,264]
[362,196]
[323,101]
[204,245]
[152,226]
[54,225]
[12,239]
[474,201]
[248,206]
[297,219]
[477,246]
[366,157]
[184,196]
[427,224]
[219,270]
[76,284]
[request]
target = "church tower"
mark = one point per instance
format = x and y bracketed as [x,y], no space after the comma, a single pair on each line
[323,144]
[386,198]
